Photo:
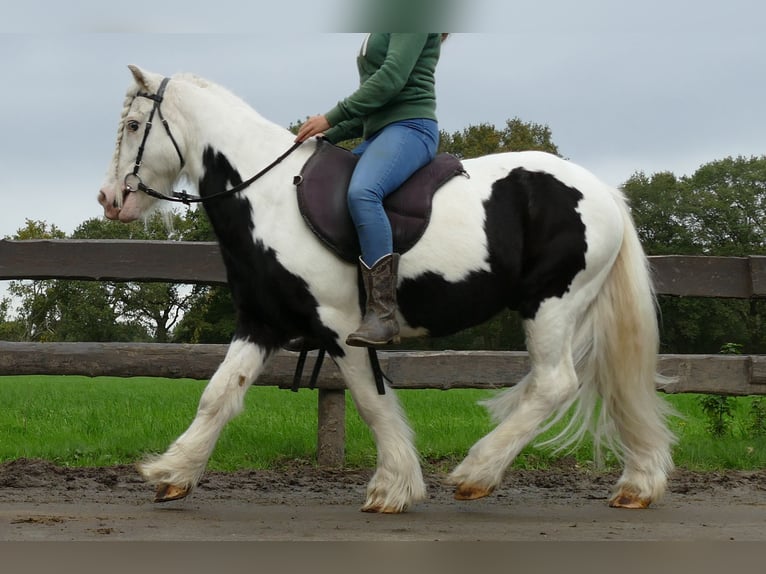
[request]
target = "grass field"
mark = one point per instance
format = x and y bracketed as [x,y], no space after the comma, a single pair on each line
[80,421]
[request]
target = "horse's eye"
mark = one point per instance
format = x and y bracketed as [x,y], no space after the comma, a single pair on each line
[132,125]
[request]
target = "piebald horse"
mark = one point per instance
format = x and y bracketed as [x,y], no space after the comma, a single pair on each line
[527,231]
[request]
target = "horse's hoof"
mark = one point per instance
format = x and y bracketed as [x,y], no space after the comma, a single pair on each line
[627,500]
[381,509]
[168,492]
[467,492]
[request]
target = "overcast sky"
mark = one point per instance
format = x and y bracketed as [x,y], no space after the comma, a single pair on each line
[657,86]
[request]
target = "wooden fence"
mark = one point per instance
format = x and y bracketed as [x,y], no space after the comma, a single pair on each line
[730,277]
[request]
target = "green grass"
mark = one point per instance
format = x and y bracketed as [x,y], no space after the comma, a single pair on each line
[80,421]
[741,448]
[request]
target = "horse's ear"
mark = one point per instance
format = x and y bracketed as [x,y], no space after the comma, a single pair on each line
[142,78]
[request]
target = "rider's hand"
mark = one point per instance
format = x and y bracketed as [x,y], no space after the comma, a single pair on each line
[314,126]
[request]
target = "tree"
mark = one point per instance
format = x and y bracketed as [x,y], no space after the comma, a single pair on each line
[66,310]
[662,212]
[153,307]
[210,316]
[37,314]
[729,202]
[10,329]
[719,210]
[485,139]
[730,210]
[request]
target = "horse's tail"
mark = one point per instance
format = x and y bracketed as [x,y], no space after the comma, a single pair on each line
[615,351]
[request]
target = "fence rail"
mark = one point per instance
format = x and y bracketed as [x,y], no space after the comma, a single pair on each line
[442,370]
[200,262]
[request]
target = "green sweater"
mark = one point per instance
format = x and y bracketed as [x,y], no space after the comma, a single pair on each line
[396,73]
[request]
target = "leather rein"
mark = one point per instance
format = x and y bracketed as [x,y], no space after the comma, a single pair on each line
[133,182]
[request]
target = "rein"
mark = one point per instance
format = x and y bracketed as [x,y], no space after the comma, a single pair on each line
[133,181]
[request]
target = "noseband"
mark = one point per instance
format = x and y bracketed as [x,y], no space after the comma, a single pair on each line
[133,182]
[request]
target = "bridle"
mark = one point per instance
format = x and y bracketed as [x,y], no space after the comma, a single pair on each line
[133,181]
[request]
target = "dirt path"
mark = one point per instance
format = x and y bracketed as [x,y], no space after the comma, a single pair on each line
[40,501]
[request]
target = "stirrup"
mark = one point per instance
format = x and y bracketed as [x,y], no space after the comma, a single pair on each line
[299,344]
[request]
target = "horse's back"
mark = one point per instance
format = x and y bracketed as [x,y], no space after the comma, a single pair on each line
[499,165]
[549,191]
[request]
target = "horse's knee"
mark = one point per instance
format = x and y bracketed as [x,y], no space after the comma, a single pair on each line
[223,394]
[554,387]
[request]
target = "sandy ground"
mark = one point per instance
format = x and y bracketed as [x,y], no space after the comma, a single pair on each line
[40,501]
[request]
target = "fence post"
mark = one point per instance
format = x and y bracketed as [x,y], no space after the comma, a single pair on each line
[331,427]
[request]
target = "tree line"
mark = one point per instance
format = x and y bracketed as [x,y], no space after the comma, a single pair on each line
[718,210]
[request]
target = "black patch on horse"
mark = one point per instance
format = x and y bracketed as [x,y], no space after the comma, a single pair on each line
[536,243]
[551,249]
[272,304]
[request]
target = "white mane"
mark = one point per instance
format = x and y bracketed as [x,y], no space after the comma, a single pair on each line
[205,84]
[129,97]
[221,94]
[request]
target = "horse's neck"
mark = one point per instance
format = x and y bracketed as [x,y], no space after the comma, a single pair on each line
[233,129]
[249,143]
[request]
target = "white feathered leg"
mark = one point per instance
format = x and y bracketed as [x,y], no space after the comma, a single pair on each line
[551,383]
[178,470]
[398,480]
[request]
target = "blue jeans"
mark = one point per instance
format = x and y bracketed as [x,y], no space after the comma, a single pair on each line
[386,161]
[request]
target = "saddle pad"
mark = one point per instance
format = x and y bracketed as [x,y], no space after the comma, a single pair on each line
[323,184]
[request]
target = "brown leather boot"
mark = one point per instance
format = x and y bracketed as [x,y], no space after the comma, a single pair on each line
[379,325]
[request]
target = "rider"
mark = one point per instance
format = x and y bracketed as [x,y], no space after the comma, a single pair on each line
[394,110]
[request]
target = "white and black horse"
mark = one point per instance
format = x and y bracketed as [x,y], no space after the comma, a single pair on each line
[527,231]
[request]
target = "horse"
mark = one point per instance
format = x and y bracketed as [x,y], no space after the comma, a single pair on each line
[528,231]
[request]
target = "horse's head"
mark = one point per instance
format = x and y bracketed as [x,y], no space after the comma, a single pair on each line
[148,152]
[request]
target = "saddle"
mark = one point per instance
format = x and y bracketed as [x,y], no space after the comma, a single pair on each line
[323,184]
